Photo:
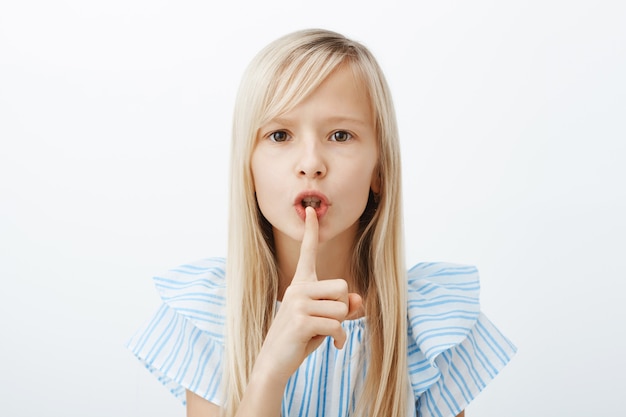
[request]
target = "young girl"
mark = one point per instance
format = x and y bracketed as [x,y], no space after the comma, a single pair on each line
[313,312]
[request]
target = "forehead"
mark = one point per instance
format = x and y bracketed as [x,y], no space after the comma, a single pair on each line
[341,96]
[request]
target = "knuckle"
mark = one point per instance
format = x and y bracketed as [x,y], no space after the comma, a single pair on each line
[299,305]
[343,309]
[296,288]
[336,328]
[299,321]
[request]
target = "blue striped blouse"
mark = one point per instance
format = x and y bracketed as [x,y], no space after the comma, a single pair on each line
[453,352]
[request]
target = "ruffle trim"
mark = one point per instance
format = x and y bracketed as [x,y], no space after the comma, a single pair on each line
[453,349]
[197,291]
[183,344]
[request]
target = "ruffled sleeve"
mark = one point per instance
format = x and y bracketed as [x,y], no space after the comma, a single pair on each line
[454,350]
[183,343]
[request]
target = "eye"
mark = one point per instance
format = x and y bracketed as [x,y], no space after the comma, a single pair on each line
[278,136]
[340,136]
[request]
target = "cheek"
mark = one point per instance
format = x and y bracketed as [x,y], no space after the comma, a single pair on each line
[367,174]
[267,186]
[258,172]
[358,189]
[265,169]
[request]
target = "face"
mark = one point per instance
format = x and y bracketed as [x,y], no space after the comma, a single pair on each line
[322,153]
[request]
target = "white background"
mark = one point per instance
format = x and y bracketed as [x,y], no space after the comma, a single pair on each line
[115,125]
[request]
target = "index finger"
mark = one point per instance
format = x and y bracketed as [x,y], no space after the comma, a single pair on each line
[305,270]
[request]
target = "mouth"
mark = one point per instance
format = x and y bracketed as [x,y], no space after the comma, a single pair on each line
[313,199]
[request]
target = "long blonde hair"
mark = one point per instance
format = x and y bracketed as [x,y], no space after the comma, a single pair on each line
[278,78]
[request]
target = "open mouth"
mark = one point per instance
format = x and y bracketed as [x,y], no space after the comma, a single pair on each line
[311,201]
[315,199]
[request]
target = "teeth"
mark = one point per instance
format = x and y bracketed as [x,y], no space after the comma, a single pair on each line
[311,202]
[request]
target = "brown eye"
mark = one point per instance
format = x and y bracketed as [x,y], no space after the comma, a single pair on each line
[341,136]
[278,136]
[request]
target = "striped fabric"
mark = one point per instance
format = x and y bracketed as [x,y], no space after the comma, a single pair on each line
[454,350]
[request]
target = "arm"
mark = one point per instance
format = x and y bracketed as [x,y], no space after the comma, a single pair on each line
[199,407]
[259,399]
[461,414]
[310,311]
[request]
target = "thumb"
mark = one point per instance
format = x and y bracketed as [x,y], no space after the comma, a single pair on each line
[355,306]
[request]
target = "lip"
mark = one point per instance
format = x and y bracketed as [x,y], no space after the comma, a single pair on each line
[320,211]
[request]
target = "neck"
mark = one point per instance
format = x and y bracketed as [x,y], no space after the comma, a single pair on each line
[334,258]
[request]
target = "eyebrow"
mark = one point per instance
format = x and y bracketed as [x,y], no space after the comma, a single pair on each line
[332,119]
[340,119]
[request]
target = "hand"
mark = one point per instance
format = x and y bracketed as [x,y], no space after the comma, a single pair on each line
[310,311]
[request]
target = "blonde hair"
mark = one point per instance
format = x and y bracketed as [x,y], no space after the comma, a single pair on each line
[278,78]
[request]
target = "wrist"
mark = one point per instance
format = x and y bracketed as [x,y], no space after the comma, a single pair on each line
[267,374]
[264,393]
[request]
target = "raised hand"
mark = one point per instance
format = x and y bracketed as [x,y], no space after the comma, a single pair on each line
[331,304]
[310,310]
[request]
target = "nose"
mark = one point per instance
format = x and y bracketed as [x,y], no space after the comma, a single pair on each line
[311,163]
